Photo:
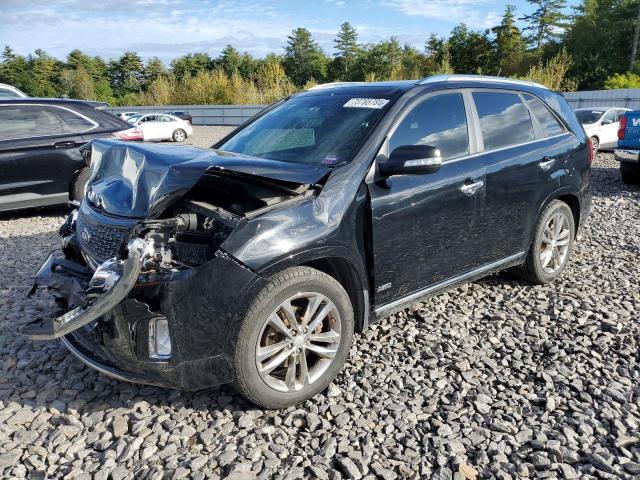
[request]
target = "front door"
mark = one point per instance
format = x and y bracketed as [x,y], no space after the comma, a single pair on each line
[426,227]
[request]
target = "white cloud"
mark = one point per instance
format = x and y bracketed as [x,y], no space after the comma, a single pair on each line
[471,12]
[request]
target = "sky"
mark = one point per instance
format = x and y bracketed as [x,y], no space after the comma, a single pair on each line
[171,28]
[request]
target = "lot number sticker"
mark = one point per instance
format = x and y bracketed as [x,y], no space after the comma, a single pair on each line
[366,103]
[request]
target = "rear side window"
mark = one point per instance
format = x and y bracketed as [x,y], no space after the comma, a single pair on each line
[28,121]
[438,121]
[504,119]
[548,123]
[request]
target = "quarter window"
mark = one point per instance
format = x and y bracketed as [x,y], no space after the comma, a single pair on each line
[28,121]
[548,123]
[504,120]
[439,121]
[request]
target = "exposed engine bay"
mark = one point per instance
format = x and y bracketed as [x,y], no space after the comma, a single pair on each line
[192,207]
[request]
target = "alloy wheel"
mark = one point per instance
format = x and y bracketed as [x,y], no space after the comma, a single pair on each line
[179,136]
[555,242]
[298,342]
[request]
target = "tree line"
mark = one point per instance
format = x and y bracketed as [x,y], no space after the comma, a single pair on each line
[594,47]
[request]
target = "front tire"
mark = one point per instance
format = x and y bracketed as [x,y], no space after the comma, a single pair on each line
[179,135]
[294,338]
[78,185]
[630,173]
[552,244]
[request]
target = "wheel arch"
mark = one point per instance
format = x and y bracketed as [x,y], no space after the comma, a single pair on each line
[571,198]
[347,275]
[338,264]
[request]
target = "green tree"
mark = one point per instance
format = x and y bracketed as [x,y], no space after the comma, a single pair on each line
[547,21]
[379,61]
[469,51]
[600,40]
[127,74]
[304,59]
[191,64]
[347,49]
[229,60]
[153,70]
[624,80]
[14,69]
[510,45]
[44,75]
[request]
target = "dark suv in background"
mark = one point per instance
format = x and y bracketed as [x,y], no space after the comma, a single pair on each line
[40,160]
[254,262]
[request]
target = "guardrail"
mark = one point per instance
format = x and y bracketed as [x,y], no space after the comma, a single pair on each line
[624,97]
[202,114]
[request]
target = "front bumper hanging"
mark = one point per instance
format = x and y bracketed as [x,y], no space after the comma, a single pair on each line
[108,286]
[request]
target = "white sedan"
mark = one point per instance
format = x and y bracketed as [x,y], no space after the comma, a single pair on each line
[601,124]
[161,126]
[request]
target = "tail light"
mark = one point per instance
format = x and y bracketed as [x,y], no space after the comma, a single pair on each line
[590,152]
[129,134]
[623,127]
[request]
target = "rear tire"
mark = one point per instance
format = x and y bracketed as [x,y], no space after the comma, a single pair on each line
[179,135]
[630,173]
[78,185]
[551,246]
[595,143]
[267,337]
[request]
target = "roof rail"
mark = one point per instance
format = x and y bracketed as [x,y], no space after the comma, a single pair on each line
[477,78]
[334,84]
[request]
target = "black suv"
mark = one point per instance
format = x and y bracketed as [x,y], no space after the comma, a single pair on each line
[254,262]
[40,158]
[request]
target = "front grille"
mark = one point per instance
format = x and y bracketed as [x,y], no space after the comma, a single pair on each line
[99,236]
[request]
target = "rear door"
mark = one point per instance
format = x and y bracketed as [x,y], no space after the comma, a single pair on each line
[609,129]
[39,153]
[525,153]
[426,227]
[167,125]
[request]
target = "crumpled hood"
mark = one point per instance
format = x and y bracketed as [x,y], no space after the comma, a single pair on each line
[140,179]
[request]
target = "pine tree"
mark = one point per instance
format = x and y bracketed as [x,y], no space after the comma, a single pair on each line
[510,45]
[347,48]
[229,60]
[153,69]
[547,21]
[304,59]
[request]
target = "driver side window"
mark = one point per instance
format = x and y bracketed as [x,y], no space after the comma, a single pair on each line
[439,121]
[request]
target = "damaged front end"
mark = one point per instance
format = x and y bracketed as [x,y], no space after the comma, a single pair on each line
[156,299]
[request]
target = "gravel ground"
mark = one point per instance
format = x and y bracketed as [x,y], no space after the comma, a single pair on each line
[204,136]
[496,379]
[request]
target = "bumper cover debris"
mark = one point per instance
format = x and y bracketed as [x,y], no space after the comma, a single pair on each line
[58,274]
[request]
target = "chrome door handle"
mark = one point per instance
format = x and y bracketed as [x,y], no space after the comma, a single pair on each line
[547,164]
[471,188]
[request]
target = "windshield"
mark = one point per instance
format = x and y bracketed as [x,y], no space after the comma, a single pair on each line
[589,116]
[322,129]
[134,118]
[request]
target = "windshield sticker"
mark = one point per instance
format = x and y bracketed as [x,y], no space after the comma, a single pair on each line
[330,160]
[366,103]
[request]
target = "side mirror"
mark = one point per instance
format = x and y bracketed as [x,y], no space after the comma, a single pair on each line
[411,160]
[606,121]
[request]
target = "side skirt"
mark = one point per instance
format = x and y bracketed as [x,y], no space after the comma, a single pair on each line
[396,305]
